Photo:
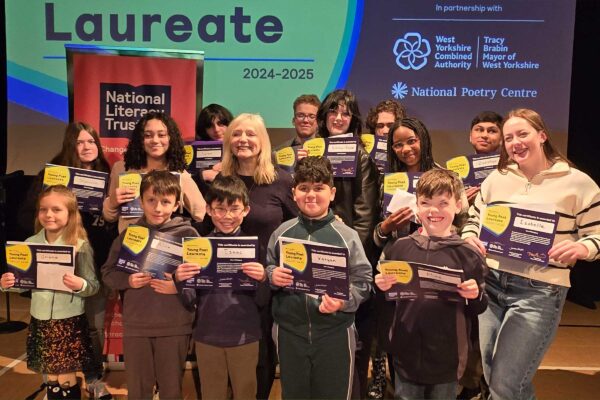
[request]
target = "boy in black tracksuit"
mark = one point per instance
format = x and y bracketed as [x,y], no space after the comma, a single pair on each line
[315,337]
[227,324]
[430,338]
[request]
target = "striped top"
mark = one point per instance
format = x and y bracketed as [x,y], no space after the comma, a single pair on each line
[575,196]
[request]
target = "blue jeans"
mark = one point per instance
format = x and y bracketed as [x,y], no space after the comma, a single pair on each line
[409,390]
[516,330]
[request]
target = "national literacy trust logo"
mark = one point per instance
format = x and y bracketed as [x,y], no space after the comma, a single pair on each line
[411,51]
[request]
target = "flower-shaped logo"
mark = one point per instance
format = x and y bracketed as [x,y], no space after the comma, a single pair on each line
[399,90]
[411,51]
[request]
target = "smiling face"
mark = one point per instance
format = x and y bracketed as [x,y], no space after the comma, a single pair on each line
[524,145]
[338,120]
[156,139]
[158,207]
[87,148]
[407,148]
[305,120]
[216,130]
[385,121]
[245,143]
[485,137]
[53,213]
[437,213]
[313,198]
[227,217]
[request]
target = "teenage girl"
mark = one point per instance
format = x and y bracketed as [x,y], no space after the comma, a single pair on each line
[58,342]
[155,144]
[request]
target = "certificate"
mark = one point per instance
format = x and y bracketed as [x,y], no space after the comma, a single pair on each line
[342,153]
[89,186]
[518,232]
[40,266]
[421,281]
[392,182]
[202,155]
[132,181]
[317,268]
[376,146]
[146,250]
[473,169]
[220,260]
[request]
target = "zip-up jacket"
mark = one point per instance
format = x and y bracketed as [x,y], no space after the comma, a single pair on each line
[53,304]
[298,313]
[145,312]
[575,196]
[430,338]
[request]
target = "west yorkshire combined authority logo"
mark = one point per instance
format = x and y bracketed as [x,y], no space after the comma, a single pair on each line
[411,51]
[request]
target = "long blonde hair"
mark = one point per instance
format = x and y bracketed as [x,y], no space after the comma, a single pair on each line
[265,170]
[74,229]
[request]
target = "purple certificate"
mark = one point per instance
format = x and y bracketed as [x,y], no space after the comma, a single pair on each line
[146,250]
[406,181]
[88,186]
[422,281]
[376,146]
[318,269]
[221,260]
[475,168]
[202,155]
[40,266]
[518,233]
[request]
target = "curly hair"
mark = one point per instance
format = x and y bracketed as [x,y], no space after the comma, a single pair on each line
[426,157]
[68,155]
[390,106]
[135,156]
[332,101]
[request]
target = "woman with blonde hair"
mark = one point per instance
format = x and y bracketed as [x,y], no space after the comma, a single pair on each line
[247,155]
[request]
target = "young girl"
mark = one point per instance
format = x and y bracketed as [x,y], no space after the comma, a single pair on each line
[81,149]
[155,144]
[58,343]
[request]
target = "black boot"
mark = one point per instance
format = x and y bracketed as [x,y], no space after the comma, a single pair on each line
[53,390]
[68,392]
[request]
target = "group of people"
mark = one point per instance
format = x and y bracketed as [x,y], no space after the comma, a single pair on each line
[322,344]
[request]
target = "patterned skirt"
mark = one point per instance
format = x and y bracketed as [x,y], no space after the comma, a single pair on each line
[59,346]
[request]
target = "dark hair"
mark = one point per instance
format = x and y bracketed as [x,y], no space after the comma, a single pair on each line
[331,102]
[426,163]
[162,183]
[135,156]
[487,116]
[227,189]
[439,181]
[68,153]
[307,99]
[206,117]
[313,169]
[391,106]
[535,120]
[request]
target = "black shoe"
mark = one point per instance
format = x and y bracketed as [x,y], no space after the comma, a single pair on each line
[53,390]
[68,392]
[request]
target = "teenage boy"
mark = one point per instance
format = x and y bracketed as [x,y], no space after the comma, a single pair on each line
[315,337]
[227,325]
[430,337]
[304,119]
[156,326]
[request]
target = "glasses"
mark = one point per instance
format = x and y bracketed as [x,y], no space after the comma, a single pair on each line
[335,112]
[410,142]
[381,125]
[302,116]
[221,212]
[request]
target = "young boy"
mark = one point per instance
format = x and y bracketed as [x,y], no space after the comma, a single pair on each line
[156,326]
[315,337]
[227,326]
[429,338]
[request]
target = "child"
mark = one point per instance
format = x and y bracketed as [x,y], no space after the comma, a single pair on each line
[156,326]
[315,337]
[429,338]
[58,342]
[227,326]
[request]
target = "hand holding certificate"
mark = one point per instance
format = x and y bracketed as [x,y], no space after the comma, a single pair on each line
[89,186]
